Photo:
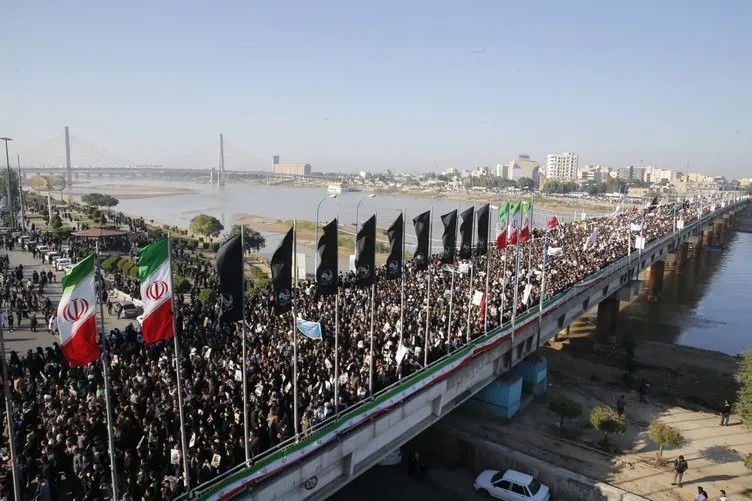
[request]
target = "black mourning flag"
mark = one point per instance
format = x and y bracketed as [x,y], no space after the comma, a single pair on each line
[422,225]
[653,204]
[281,266]
[482,222]
[449,238]
[466,233]
[230,279]
[365,260]
[394,260]
[327,274]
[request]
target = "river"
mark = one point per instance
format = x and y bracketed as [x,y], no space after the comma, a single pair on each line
[704,307]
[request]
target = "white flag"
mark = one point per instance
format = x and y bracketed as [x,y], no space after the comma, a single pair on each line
[477,298]
[592,240]
[635,227]
[401,353]
[555,251]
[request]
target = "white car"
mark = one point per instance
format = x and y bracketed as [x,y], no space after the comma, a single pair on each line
[510,485]
[62,262]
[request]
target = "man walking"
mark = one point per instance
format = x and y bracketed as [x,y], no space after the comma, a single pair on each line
[725,413]
[680,466]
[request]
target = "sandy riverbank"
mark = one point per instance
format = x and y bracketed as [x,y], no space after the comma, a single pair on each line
[132,191]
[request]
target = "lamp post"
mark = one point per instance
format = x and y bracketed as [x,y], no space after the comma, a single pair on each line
[10,201]
[357,220]
[316,243]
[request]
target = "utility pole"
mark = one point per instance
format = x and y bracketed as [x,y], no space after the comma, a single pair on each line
[10,201]
[68,169]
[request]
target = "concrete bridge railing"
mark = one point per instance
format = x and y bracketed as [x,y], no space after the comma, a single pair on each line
[337,451]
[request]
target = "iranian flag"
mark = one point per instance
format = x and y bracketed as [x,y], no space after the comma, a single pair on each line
[501,238]
[76,314]
[155,274]
[527,221]
[514,223]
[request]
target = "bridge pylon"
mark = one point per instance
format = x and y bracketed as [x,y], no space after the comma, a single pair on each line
[68,168]
[221,176]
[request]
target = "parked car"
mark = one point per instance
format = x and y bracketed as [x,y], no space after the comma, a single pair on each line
[50,256]
[129,310]
[510,485]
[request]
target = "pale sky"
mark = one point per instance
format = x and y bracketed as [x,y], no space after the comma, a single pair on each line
[407,85]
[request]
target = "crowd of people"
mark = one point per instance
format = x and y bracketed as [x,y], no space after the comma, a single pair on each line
[61,434]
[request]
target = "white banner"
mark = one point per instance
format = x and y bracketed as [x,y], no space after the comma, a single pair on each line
[477,298]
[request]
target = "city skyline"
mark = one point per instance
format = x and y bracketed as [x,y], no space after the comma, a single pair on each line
[387,86]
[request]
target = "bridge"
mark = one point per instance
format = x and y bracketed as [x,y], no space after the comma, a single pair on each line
[330,456]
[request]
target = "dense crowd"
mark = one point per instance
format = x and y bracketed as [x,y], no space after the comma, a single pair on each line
[59,413]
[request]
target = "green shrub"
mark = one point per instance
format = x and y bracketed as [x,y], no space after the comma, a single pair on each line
[207,296]
[110,263]
[182,285]
[214,246]
[205,245]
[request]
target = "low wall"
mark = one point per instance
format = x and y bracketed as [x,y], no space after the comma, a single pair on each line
[480,454]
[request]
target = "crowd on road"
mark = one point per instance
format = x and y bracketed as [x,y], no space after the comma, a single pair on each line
[59,413]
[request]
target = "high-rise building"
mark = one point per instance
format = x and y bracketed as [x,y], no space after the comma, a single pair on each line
[522,166]
[501,171]
[562,167]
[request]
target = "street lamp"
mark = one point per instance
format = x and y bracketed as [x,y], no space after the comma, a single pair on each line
[357,220]
[10,202]
[316,243]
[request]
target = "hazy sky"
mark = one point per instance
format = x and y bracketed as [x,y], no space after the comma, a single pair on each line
[408,85]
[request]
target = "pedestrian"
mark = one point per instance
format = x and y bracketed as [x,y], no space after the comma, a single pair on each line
[680,466]
[701,494]
[641,390]
[723,496]
[725,413]
[620,403]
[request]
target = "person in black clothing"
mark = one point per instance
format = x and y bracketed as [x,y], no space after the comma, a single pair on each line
[725,413]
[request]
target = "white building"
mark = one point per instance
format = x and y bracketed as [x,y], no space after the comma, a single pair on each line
[501,171]
[562,167]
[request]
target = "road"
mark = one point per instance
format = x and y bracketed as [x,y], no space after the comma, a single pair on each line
[23,339]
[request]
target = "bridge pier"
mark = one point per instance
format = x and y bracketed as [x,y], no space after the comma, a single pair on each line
[534,374]
[681,262]
[707,234]
[717,232]
[608,317]
[655,280]
[696,243]
[501,398]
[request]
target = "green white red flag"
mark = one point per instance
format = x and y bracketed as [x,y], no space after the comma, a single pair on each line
[527,221]
[501,238]
[76,314]
[155,274]
[513,231]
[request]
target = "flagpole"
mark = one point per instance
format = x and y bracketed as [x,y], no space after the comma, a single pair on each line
[245,347]
[9,413]
[336,350]
[543,287]
[472,269]
[106,377]
[488,271]
[516,280]
[402,277]
[183,441]
[451,304]
[370,358]
[428,288]
[295,332]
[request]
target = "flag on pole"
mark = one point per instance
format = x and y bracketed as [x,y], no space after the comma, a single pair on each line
[501,238]
[422,224]
[449,238]
[76,314]
[514,223]
[309,329]
[365,262]
[527,213]
[327,274]
[592,240]
[553,223]
[281,266]
[466,233]
[394,260]
[230,279]
[481,245]
[155,274]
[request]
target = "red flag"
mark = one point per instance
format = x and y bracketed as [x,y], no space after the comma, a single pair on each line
[553,223]
[501,240]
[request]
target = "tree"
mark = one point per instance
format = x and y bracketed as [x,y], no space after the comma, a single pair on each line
[206,225]
[253,241]
[748,461]
[744,396]
[608,421]
[664,435]
[526,183]
[99,200]
[565,408]
[56,222]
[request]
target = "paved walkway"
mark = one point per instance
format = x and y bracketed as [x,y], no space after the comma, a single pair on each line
[23,339]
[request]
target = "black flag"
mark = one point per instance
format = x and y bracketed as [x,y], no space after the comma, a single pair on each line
[365,261]
[482,221]
[449,239]
[653,204]
[466,233]
[281,266]
[230,279]
[394,260]
[327,274]
[422,225]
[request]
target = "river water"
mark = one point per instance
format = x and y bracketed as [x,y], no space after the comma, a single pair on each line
[705,307]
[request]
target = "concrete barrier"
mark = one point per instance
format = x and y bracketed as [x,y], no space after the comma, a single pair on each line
[482,454]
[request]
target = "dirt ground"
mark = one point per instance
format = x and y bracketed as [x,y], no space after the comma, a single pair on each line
[679,394]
